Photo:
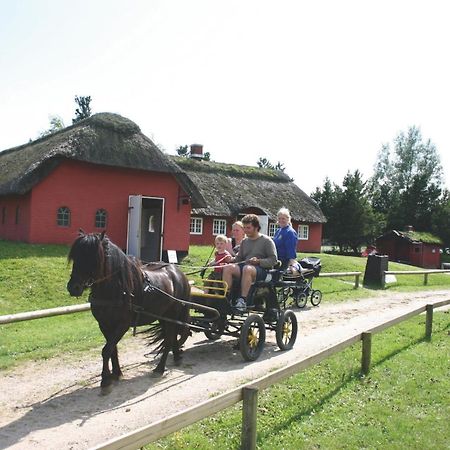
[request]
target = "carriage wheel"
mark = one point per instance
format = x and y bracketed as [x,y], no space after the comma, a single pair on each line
[216,330]
[301,299]
[316,297]
[252,337]
[286,331]
[283,295]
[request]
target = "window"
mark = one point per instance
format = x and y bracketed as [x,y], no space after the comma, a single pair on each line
[196,225]
[219,226]
[63,216]
[4,215]
[100,218]
[17,215]
[273,227]
[303,232]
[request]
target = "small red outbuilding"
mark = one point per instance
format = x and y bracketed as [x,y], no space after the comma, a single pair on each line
[411,247]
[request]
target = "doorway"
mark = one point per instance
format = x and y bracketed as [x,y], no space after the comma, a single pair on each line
[145,227]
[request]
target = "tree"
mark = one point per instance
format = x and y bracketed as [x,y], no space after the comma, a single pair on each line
[84,109]
[351,220]
[266,164]
[406,185]
[325,198]
[440,221]
[56,124]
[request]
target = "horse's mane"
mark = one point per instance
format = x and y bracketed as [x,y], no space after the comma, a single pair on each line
[116,274]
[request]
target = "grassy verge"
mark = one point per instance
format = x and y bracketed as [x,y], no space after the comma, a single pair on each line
[34,277]
[402,403]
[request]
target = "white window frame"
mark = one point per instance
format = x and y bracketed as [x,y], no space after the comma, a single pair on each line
[196,225]
[273,227]
[219,226]
[303,232]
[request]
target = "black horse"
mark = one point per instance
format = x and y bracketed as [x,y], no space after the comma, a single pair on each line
[121,287]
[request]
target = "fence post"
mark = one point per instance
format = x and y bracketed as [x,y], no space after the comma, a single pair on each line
[357,281]
[383,279]
[366,352]
[249,408]
[425,279]
[429,321]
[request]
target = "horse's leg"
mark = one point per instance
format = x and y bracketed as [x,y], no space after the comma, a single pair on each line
[106,355]
[116,336]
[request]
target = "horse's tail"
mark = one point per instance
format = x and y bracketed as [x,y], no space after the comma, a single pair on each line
[156,336]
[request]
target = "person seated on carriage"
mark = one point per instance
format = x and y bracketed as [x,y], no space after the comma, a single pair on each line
[220,256]
[237,235]
[257,254]
[285,239]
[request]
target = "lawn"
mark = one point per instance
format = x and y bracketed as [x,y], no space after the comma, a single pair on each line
[34,277]
[402,403]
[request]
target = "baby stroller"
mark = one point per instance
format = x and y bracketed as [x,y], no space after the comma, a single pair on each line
[299,285]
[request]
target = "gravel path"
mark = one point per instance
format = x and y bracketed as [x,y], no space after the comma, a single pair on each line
[56,404]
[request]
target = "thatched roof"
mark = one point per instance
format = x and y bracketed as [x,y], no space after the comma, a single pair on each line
[229,189]
[415,237]
[105,138]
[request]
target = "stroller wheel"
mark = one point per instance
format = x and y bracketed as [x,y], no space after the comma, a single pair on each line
[316,297]
[301,299]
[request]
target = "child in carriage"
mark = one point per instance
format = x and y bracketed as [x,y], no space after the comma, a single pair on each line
[221,257]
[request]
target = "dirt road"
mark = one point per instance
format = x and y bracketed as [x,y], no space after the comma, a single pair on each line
[56,404]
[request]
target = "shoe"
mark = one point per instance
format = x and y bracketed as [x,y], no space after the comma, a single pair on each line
[240,305]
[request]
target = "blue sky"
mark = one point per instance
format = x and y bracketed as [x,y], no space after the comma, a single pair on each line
[319,86]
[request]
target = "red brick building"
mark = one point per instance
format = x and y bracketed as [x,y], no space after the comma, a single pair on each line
[231,191]
[101,173]
[411,247]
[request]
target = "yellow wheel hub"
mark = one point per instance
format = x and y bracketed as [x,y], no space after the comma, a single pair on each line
[253,338]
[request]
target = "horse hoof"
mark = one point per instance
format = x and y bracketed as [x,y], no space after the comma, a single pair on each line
[105,390]
[157,373]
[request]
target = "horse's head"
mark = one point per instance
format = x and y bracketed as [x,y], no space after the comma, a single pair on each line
[87,255]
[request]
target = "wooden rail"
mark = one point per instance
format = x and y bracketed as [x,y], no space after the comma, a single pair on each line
[424,272]
[249,392]
[41,313]
[343,274]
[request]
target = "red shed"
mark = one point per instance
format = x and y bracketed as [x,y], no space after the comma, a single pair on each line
[101,173]
[231,191]
[411,247]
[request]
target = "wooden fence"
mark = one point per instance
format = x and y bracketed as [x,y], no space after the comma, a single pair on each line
[343,274]
[425,274]
[248,393]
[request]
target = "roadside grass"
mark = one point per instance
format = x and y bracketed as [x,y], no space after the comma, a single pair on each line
[402,403]
[34,277]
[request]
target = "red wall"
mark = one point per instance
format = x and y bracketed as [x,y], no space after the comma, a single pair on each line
[10,229]
[84,188]
[425,257]
[313,244]
[404,251]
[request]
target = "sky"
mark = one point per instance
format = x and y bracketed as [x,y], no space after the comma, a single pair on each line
[319,86]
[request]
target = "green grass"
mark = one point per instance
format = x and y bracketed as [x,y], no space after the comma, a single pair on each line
[34,277]
[402,403]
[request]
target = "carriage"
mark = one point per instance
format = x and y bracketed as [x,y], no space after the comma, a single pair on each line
[263,313]
[124,292]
